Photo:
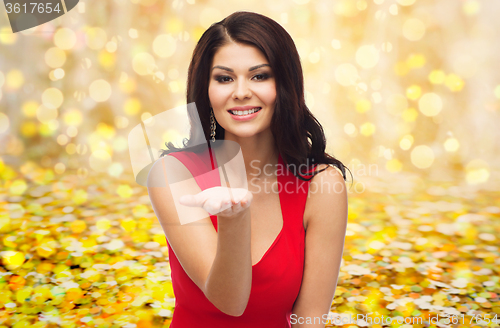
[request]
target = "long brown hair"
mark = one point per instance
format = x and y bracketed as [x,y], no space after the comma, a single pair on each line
[299,137]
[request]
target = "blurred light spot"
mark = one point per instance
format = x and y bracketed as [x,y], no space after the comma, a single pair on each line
[454,82]
[133,33]
[132,106]
[29,108]
[71,148]
[65,38]
[336,44]
[143,63]
[111,46]
[314,57]
[363,105]
[208,16]
[387,153]
[377,97]
[451,145]
[124,191]
[406,142]
[393,9]
[59,168]
[396,104]
[437,77]
[409,115]
[145,116]
[121,122]
[28,128]
[100,160]
[72,131]
[45,114]
[345,8]
[471,7]
[361,5]
[422,156]
[415,61]
[477,171]
[120,144]
[387,46]
[6,36]
[378,2]
[52,98]
[346,74]
[100,90]
[401,68]
[164,45]
[413,92]
[367,129]
[406,2]
[413,29]
[394,165]
[115,170]
[430,104]
[106,59]
[4,122]
[73,117]
[55,57]
[62,139]
[350,129]
[59,73]
[497,91]
[14,79]
[367,56]
[96,38]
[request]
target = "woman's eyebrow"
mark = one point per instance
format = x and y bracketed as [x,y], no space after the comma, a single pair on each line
[231,70]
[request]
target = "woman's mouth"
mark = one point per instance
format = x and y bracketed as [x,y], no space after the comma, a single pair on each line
[243,115]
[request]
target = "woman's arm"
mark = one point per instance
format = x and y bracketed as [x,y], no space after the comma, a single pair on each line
[326,217]
[218,263]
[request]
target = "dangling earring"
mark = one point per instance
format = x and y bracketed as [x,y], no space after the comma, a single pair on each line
[212,125]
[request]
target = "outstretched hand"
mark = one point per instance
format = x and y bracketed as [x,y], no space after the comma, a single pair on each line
[226,202]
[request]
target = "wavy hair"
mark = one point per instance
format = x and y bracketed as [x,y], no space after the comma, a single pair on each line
[299,136]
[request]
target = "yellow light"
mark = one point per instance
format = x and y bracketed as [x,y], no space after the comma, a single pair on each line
[430,104]
[4,123]
[422,156]
[367,129]
[477,171]
[6,36]
[346,74]
[413,29]
[55,57]
[401,68]
[65,38]
[410,115]
[437,77]
[451,145]
[100,90]
[367,56]
[413,92]
[96,38]
[406,142]
[454,82]
[415,61]
[73,117]
[52,98]
[14,79]
[132,106]
[363,105]
[394,165]
[164,45]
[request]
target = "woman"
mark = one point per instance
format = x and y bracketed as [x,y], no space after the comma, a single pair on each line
[268,258]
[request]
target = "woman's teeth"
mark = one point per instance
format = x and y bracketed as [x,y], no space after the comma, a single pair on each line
[245,112]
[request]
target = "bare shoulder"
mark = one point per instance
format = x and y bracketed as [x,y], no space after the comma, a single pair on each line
[327,195]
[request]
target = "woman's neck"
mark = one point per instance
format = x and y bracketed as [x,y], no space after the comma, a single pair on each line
[260,154]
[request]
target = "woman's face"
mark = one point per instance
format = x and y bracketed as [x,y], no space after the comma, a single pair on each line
[240,81]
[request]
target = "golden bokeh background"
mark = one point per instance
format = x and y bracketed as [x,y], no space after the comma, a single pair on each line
[408,93]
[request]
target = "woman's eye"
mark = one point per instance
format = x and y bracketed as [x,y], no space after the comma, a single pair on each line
[262,76]
[222,78]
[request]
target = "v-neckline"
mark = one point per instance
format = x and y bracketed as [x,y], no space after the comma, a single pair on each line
[279,178]
[280,183]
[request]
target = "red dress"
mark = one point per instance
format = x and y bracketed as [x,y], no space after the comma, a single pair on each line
[276,278]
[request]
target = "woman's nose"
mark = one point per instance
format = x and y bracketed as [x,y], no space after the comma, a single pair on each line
[242,90]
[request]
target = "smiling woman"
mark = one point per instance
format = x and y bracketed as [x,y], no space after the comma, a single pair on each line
[264,256]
